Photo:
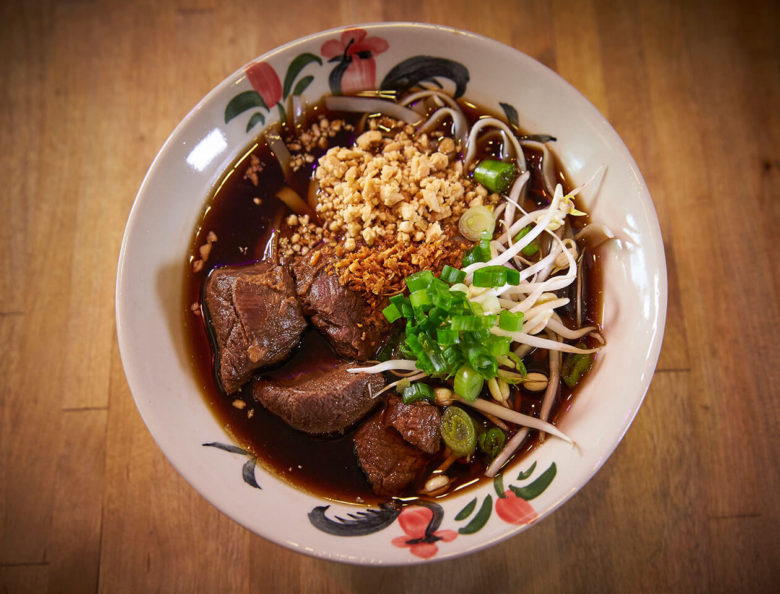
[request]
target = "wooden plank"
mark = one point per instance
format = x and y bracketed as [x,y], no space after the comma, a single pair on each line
[21,579]
[79,478]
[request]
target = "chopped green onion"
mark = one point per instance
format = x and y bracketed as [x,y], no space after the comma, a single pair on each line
[398,300]
[490,276]
[452,275]
[418,391]
[479,253]
[446,337]
[419,280]
[492,441]
[433,353]
[509,321]
[419,298]
[470,323]
[512,276]
[435,318]
[476,221]
[482,361]
[468,383]
[458,431]
[453,357]
[496,176]
[391,313]
[440,295]
[498,346]
[476,308]
[575,366]
[532,248]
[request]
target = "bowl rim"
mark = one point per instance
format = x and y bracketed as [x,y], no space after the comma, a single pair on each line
[653,351]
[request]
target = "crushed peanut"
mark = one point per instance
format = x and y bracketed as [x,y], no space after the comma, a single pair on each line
[391,186]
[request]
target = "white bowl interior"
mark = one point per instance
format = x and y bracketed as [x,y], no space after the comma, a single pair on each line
[169,205]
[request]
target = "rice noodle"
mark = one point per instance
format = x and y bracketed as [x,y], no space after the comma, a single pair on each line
[444,97]
[548,167]
[370,105]
[291,198]
[460,126]
[279,149]
[471,142]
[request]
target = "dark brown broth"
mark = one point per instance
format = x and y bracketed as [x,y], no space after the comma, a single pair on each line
[325,466]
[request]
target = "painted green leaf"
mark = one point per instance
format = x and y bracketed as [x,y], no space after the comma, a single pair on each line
[241,102]
[248,473]
[256,117]
[334,80]
[412,71]
[356,524]
[498,484]
[511,114]
[466,511]
[294,69]
[302,84]
[537,487]
[282,113]
[478,521]
[526,473]
[226,447]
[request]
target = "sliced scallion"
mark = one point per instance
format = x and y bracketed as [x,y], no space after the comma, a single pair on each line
[458,431]
[476,221]
[496,176]
[419,280]
[532,248]
[509,321]
[490,276]
[468,383]
[452,275]
[418,391]
[392,313]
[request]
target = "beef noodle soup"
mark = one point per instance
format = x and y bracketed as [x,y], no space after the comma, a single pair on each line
[393,298]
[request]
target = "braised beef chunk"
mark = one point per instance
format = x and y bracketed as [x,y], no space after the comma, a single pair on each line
[320,401]
[343,315]
[417,423]
[388,461]
[255,317]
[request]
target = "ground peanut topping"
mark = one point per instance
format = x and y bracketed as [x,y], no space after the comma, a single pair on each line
[397,186]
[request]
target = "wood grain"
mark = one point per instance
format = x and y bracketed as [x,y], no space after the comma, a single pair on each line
[687,503]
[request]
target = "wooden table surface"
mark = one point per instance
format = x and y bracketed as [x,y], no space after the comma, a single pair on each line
[90,90]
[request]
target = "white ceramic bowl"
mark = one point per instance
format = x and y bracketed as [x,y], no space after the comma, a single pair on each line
[154,255]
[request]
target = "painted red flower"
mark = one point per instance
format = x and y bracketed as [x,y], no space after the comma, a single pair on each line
[354,52]
[265,81]
[417,523]
[515,510]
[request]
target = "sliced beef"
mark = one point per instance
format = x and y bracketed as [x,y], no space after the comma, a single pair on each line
[255,316]
[417,423]
[389,462]
[343,315]
[320,401]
